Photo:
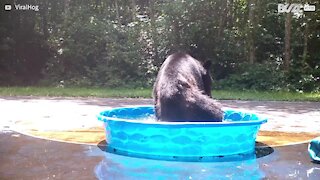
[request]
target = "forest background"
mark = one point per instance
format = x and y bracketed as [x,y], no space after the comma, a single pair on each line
[122,43]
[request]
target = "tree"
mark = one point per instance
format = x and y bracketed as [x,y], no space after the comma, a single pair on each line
[305,39]
[287,39]
[122,43]
[251,30]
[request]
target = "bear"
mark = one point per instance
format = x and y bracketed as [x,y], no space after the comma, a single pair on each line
[182,91]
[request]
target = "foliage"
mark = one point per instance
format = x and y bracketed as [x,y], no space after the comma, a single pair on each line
[93,51]
[303,78]
[118,43]
[264,77]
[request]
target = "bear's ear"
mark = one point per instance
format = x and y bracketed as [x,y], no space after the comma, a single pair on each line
[207,65]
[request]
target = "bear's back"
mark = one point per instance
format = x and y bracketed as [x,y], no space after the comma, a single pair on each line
[178,72]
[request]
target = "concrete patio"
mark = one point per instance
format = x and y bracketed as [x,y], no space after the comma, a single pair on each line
[26,157]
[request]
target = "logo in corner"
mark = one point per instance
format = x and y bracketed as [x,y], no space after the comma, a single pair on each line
[7,7]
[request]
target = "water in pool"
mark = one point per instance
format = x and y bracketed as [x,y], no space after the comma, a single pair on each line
[152,118]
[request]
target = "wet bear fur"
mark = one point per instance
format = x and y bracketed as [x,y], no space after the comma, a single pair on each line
[182,91]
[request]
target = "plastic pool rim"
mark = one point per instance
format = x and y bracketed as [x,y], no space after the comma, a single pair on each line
[110,121]
[200,123]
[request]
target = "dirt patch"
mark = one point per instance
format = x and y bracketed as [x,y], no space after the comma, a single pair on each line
[95,135]
[87,136]
[276,138]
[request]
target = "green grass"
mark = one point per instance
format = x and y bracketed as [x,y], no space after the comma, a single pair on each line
[266,96]
[75,92]
[146,93]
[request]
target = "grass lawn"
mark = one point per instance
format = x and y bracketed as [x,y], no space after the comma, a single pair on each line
[146,93]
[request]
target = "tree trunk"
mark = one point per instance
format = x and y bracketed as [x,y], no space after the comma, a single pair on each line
[45,20]
[222,19]
[134,10]
[231,13]
[251,28]
[287,39]
[117,11]
[176,31]
[223,13]
[66,8]
[305,40]
[154,31]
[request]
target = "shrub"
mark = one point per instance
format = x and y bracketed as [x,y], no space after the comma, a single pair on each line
[265,76]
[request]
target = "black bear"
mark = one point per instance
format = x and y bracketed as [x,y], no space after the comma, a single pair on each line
[182,91]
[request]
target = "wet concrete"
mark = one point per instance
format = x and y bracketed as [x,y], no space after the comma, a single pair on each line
[289,162]
[25,157]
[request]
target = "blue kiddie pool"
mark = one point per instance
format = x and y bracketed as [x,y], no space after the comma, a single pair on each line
[133,131]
